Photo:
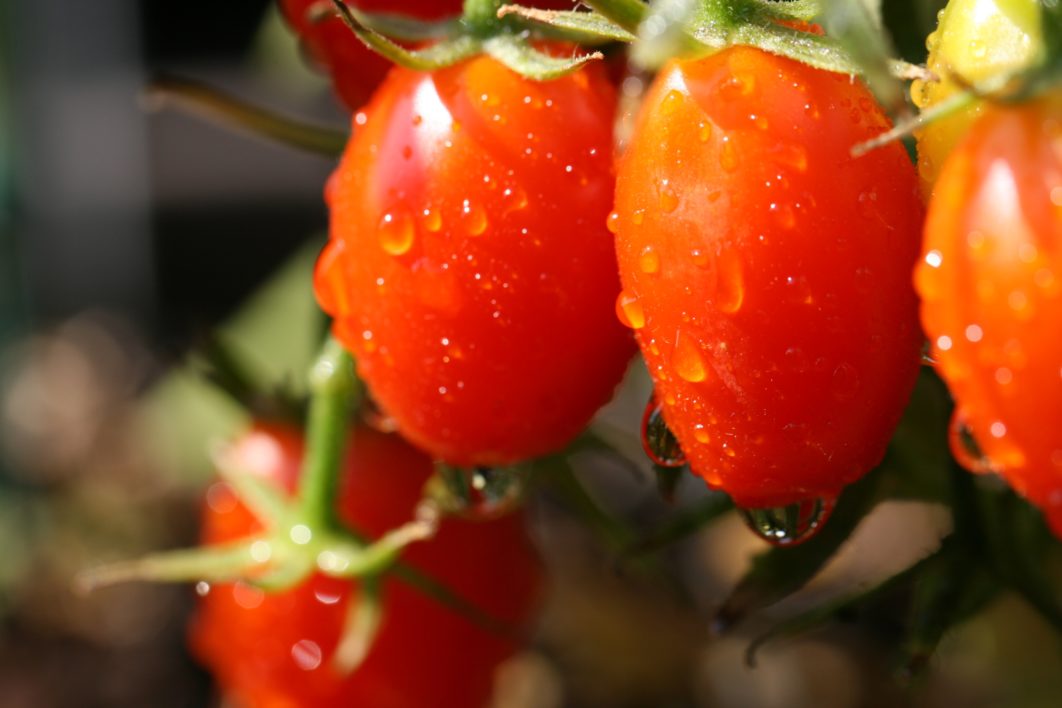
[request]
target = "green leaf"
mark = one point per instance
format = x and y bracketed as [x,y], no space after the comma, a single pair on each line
[519,56]
[858,29]
[628,14]
[586,28]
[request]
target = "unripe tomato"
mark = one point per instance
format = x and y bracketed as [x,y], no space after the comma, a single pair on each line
[991,287]
[275,649]
[469,269]
[766,272]
[974,40]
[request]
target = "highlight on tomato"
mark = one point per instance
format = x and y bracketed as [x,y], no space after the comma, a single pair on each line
[766,275]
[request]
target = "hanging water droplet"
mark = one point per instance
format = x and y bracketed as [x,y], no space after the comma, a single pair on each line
[612,223]
[395,233]
[659,443]
[791,524]
[964,446]
[629,310]
[477,493]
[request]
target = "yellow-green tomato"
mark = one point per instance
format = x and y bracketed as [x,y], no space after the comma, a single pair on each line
[974,40]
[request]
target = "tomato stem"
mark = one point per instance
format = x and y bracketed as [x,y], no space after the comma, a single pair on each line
[334,392]
[481,16]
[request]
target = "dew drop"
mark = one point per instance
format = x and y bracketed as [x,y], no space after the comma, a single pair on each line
[964,446]
[728,156]
[730,285]
[700,434]
[687,359]
[668,199]
[431,220]
[700,258]
[612,223]
[473,218]
[704,131]
[791,524]
[514,199]
[659,443]
[629,310]
[477,493]
[845,381]
[793,155]
[784,215]
[638,217]
[306,654]
[395,233]
[649,260]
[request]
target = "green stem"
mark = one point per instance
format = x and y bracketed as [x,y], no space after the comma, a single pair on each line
[334,391]
[481,15]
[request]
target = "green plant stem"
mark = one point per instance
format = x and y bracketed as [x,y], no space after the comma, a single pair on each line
[334,392]
[481,15]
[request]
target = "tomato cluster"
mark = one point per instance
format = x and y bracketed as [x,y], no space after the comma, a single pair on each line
[990,273]
[277,648]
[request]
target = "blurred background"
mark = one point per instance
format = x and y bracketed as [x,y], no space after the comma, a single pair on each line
[126,236]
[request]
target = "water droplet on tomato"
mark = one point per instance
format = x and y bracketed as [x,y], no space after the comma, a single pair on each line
[306,654]
[700,258]
[659,443]
[728,159]
[514,199]
[687,359]
[700,434]
[649,260]
[612,222]
[704,131]
[964,446]
[477,493]
[792,155]
[784,215]
[668,199]
[791,524]
[845,381]
[638,217]
[629,310]
[395,233]
[473,218]
[431,220]
[730,284]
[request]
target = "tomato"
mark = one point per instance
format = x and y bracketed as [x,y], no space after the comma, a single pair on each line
[766,273]
[274,649]
[974,40]
[469,268]
[991,287]
[356,70]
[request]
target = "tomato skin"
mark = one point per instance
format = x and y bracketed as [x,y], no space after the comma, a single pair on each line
[991,287]
[768,273]
[469,269]
[264,648]
[974,40]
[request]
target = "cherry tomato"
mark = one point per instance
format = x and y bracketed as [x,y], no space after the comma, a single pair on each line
[275,649]
[766,273]
[991,287]
[356,70]
[974,40]
[469,269]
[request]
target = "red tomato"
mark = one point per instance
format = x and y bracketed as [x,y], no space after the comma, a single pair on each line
[991,287]
[766,273]
[469,269]
[357,70]
[269,650]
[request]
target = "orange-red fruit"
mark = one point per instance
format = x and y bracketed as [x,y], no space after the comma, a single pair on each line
[275,650]
[991,285]
[469,269]
[766,272]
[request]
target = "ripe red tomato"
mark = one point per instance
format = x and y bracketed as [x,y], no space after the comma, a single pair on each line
[274,649]
[766,273]
[469,268]
[357,70]
[991,287]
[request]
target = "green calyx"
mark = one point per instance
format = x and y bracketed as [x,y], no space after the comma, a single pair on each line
[484,28]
